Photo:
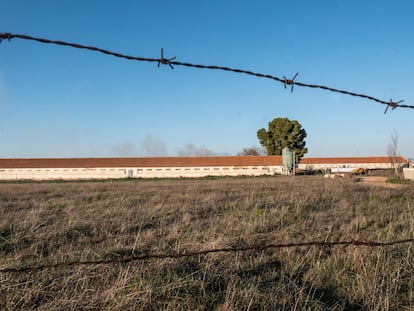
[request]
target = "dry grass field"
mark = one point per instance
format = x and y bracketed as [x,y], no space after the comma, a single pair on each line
[48,223]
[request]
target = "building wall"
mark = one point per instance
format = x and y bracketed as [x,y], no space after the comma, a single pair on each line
[140,172]
[408,173]
[345,165]
[61,173]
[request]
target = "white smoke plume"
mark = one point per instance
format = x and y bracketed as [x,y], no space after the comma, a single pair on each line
[192,150]
[153,147]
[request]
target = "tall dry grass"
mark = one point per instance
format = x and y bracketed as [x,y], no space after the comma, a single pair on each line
[43,223]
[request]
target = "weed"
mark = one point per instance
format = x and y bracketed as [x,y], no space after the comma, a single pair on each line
[53,222]
[393,180]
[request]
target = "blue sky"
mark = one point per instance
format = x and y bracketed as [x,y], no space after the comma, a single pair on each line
[64,102]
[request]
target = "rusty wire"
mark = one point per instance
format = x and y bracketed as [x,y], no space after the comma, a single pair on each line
[172,62]
[230,249]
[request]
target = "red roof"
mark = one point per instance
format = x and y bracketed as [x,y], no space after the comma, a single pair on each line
[141,162]
[351,160]
[179,161]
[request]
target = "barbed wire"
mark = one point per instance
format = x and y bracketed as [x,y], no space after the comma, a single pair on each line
[172,62]
[230,249]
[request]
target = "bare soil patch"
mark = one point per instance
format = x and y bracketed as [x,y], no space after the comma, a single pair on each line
[378,181]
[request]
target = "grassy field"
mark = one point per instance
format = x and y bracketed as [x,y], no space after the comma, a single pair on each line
[48,223]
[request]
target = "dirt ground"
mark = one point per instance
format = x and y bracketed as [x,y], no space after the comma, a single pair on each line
[378,181]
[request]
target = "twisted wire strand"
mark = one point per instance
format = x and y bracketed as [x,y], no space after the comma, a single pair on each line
[231,249]
[171,62]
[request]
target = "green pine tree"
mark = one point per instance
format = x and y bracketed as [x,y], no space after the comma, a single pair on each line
[282,133]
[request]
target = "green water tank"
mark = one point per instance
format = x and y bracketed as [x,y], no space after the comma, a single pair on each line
[288,160]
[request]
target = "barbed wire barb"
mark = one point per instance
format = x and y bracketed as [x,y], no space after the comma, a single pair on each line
[171,62]
[6,35]
[290,81]
[165,61]
[393,105]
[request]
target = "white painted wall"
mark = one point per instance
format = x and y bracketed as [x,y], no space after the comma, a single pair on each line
[408,173]
[345,165]
[134,172]
[61,173]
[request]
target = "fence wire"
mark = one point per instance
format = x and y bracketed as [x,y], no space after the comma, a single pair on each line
[171,62]
[130,259]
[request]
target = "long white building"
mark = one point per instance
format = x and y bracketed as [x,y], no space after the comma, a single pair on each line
[350,162]
[172,167]
[163,167]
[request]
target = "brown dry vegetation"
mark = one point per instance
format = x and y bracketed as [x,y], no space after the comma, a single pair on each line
[42,223]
